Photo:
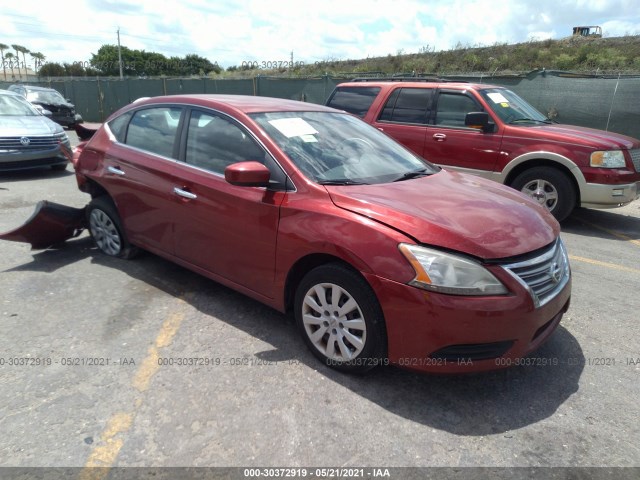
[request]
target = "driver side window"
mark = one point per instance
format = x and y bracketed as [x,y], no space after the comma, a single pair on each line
[214,143]
[452,109]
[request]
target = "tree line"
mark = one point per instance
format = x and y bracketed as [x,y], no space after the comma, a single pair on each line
[12,62]
[135,63]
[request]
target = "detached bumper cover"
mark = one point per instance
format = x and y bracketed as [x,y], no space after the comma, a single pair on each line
[50,224]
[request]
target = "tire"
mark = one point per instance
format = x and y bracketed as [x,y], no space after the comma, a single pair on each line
[106,229]
[327,298]
[59,168]
[550,187]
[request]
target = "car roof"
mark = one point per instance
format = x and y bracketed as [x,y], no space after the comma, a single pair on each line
[417,84]
[241,103]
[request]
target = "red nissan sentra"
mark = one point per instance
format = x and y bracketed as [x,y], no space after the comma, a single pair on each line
[381,256]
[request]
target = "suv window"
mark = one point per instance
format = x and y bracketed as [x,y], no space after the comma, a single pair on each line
[408,105]
[354,100]
[154,130]
[453,107]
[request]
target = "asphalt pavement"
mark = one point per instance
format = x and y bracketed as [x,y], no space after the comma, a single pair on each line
[113,363]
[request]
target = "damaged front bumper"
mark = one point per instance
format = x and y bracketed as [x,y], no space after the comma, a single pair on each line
[50,224]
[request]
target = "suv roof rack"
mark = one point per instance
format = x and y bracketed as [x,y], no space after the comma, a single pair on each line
[406,79]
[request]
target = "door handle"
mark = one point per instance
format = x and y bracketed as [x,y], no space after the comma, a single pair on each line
[439,137]
[184,193]
[115,170]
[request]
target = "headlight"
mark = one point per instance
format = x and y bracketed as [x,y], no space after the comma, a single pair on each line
[608,159]
[446,273]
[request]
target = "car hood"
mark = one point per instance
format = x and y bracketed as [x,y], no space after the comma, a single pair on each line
[590,137]
[455,211]
[12,126]
[48,105]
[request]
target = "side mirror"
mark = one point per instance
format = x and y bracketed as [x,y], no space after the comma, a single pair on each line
[479,120]
[247,174]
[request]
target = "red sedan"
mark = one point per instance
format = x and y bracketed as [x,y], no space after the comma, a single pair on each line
[381,256]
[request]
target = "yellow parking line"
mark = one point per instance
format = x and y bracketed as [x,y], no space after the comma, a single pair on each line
[104,454]
[149,365]
[610,232]
[604,264]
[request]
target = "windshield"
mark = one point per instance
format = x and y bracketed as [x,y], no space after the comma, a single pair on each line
[511,108]
[52,98]
[337,148]
[15,106]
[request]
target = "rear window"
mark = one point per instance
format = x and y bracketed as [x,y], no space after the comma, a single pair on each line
[355,100]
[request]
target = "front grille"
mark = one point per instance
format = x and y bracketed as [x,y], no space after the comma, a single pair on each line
[39,142]
[635,158]
[545,275]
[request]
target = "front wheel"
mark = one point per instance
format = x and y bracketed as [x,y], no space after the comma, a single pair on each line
[340,319]
[550,187]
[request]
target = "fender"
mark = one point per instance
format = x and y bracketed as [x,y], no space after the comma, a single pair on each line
[505,175]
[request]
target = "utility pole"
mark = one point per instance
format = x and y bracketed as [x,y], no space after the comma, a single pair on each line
[119,54]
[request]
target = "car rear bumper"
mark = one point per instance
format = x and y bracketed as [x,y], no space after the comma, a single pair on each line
[594,195]
[439,333]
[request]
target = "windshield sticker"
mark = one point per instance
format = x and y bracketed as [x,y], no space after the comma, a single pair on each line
[504,104]
[293,127]
[308,138]
[497,97]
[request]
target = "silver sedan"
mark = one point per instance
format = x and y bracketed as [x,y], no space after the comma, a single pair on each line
[29,139]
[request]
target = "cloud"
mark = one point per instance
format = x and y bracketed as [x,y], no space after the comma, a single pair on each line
[255,30]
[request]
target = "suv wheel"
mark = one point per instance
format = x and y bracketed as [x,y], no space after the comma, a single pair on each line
[550,188]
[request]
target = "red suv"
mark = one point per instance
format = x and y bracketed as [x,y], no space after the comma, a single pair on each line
[490,131]
[381,256]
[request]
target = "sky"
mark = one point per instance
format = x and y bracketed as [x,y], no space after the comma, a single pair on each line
[233,32]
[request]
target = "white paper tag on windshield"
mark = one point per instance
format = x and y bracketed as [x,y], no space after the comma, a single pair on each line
[497,97]
[293,127]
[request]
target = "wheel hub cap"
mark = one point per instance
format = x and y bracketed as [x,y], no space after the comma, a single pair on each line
[334,322]
[543,192]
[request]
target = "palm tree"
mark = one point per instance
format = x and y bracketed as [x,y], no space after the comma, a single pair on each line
[3,47]
[20,49]
[9,56]
[24,51]
[17,56]
[38,58]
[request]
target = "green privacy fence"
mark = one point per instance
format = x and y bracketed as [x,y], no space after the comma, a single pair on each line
[96,99]
[604,102]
